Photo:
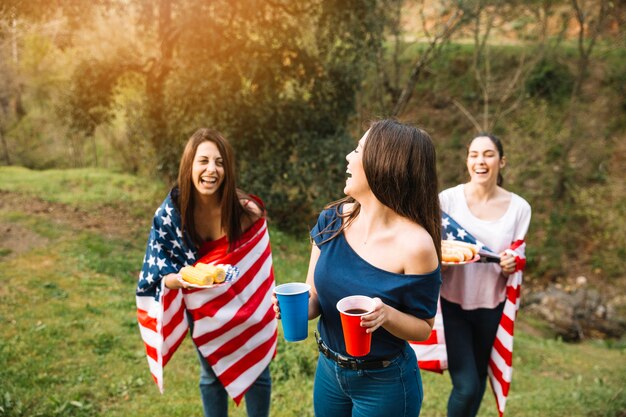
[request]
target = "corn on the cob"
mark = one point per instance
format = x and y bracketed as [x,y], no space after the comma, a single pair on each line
[217,272]
[196,276]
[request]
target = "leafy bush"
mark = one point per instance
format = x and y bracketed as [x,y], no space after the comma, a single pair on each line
[550,80]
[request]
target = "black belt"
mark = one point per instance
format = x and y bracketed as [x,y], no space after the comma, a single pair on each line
[350,363]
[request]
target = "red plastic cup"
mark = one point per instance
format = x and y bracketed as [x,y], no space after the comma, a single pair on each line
[351,308]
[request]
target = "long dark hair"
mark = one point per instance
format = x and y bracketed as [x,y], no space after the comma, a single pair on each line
[496,141]
[231,207]
[400,165]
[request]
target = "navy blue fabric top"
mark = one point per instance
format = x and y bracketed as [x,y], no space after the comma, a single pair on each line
[341,272]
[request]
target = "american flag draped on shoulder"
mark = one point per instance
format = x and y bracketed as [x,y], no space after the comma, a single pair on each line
[432,354]
[233,325]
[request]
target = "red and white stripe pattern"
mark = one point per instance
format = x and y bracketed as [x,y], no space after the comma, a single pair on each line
[234,325]
[431,354]
[501,359]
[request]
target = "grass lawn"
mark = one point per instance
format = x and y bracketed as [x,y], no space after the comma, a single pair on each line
[70,346]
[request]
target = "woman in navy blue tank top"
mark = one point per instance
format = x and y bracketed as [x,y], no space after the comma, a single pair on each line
[384,241]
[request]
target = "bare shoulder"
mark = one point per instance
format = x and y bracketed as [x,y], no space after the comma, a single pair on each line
[420,254]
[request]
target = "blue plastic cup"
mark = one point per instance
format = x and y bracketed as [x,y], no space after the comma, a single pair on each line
[293,300]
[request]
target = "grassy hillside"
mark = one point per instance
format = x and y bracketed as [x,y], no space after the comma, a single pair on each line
[71,245]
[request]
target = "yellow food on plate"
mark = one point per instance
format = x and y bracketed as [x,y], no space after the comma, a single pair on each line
[196,276]
[452,247]
[467,253]
[458,243]
[451,255]
[218,273]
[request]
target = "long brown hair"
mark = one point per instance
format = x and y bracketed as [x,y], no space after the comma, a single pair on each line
[400,165]
[232,210]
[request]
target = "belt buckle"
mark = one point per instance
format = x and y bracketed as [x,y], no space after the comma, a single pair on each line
[349,363]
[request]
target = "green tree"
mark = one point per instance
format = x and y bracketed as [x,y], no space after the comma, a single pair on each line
[278,78]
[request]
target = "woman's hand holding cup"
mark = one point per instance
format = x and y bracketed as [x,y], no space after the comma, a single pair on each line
[376,318]
[294,297]
[276,306]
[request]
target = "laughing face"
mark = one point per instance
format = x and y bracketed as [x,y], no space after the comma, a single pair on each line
[356,181]
[208,170]
[483,161]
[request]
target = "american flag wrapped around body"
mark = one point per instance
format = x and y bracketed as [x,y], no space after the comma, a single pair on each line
[431,354]
[233,324]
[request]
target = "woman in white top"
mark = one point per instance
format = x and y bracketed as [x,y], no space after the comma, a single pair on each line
[472,296]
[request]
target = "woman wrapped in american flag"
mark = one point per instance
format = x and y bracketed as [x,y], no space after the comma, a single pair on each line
[479,300]
[206,219]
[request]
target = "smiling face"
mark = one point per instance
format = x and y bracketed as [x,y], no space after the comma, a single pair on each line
[484,161]
[207,174]
[356,182]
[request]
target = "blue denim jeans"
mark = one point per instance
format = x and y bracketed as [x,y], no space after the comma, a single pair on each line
[469,339]
[392,391]
[215,397]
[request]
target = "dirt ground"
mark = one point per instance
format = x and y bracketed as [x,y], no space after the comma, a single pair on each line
[15,239]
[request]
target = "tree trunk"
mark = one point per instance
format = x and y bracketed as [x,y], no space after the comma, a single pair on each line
[155,91]
[5,148]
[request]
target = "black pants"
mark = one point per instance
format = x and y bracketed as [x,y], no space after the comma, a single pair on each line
[469,339]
